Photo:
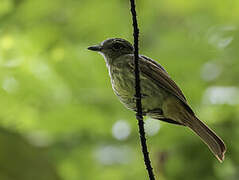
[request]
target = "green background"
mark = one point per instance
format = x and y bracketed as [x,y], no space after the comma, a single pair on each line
[57,108]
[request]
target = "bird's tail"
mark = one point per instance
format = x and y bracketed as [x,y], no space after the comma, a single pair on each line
[215,144]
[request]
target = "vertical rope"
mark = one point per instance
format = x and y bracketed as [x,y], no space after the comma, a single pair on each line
[139,115]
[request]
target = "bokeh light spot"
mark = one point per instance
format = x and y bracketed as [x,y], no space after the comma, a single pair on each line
[221,95]
[109,154]
[210,71]
[10,84]
[7,42]
[151,126]
[121,130]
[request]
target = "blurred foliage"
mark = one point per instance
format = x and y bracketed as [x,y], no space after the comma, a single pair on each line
[56,96]
[22,161]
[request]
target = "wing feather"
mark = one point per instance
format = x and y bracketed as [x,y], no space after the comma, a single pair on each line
[155,72]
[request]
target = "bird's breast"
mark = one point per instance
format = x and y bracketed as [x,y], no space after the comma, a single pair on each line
[122,81]
[123,84]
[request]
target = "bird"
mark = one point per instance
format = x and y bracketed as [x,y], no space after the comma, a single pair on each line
[162,99]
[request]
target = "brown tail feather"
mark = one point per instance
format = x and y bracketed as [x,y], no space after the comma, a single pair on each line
[215,144]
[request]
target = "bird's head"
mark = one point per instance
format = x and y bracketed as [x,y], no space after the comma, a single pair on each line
[113,48]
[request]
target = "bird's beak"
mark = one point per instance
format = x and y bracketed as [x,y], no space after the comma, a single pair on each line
[95,48]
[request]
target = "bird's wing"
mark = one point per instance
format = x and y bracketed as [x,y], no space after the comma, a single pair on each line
[153,62]
[155,72]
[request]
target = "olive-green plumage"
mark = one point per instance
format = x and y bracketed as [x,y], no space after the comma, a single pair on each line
[161,98]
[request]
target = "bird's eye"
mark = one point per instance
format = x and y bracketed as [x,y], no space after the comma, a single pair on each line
[117,46]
